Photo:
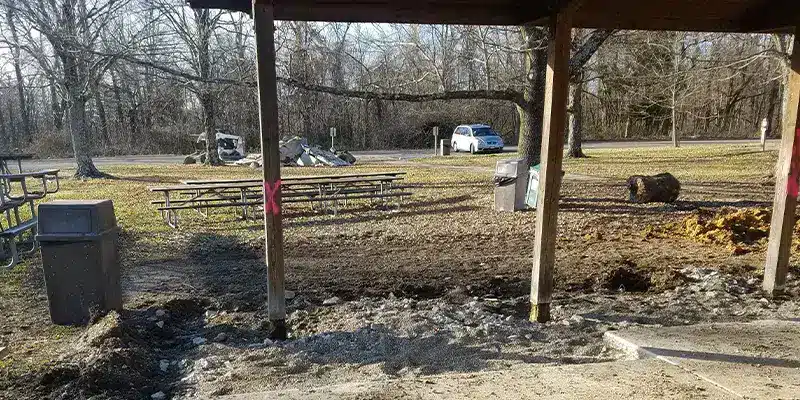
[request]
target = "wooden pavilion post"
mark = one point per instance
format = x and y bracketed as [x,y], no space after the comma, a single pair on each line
[270,157]
[554,127]
[786,184]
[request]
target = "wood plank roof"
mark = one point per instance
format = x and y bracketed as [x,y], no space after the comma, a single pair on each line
[685,15]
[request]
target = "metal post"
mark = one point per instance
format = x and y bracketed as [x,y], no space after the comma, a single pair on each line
[435,140]
[764,124]
[270,156]
[333,135]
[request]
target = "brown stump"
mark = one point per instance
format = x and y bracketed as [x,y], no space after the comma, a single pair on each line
[663,188]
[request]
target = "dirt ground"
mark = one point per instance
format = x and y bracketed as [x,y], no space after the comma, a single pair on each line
[439,285]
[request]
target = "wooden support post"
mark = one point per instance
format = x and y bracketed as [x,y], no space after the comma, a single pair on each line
[554,127]
[786,184]
[270,158]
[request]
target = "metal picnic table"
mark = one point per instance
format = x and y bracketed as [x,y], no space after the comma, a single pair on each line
[248,193]
[296,178]
[18,157]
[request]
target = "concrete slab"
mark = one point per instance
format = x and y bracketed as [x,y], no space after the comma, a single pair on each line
[750,360]
[623,380]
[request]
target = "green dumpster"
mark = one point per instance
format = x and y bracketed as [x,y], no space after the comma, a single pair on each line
[533,186]
[532,194]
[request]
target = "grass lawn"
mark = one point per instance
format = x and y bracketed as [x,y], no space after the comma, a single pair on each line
[694,163]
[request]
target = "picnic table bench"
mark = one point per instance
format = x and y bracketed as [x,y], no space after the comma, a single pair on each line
[247,194]
[15,193]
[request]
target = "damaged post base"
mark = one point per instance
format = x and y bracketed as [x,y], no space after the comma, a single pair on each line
[277,329]
[540,312]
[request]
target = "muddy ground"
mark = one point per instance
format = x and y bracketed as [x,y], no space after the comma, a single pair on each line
[439,285]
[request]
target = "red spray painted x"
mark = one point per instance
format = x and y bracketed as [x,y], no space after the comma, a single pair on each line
[270,198]
[792,187]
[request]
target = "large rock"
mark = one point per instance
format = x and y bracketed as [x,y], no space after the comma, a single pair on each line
[663,188]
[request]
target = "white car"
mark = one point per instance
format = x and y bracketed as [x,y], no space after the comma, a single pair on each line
[476,138]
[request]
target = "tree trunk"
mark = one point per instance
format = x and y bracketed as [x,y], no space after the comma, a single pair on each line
[772,106]
[120,115]
[575,137]
[12,125]
[676,63]
[101,114]
[25,131]
[79,130]
[531,112]
[674,120]
[205,94]
[5,141]
[210,127]
[627,126]
[81,141]
[56,108]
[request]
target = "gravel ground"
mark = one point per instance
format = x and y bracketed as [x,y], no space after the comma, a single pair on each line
[381,338]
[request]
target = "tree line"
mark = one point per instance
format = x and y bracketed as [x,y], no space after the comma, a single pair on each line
[104,77]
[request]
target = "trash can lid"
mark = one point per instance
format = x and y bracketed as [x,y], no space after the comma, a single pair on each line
[76,217]
[509,168]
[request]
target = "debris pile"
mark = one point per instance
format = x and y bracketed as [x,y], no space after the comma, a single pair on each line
[296,152]
[229,148]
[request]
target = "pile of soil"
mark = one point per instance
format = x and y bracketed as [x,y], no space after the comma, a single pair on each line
[119,356]
[740,230]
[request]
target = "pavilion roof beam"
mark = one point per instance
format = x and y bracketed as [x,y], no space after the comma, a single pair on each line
[467,12]
[771,16]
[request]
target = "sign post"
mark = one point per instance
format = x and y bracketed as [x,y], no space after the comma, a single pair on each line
[333,135]
[435,140]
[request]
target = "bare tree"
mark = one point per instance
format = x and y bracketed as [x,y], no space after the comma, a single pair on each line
[75,32]
[15,56]
[193,29]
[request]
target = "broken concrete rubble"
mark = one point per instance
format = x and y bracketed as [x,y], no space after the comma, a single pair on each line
[297,152]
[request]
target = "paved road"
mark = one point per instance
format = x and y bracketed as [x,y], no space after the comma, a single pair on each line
[371,155]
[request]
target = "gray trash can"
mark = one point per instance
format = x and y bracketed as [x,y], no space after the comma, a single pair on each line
[444,147]
[78,241]
[511,181]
